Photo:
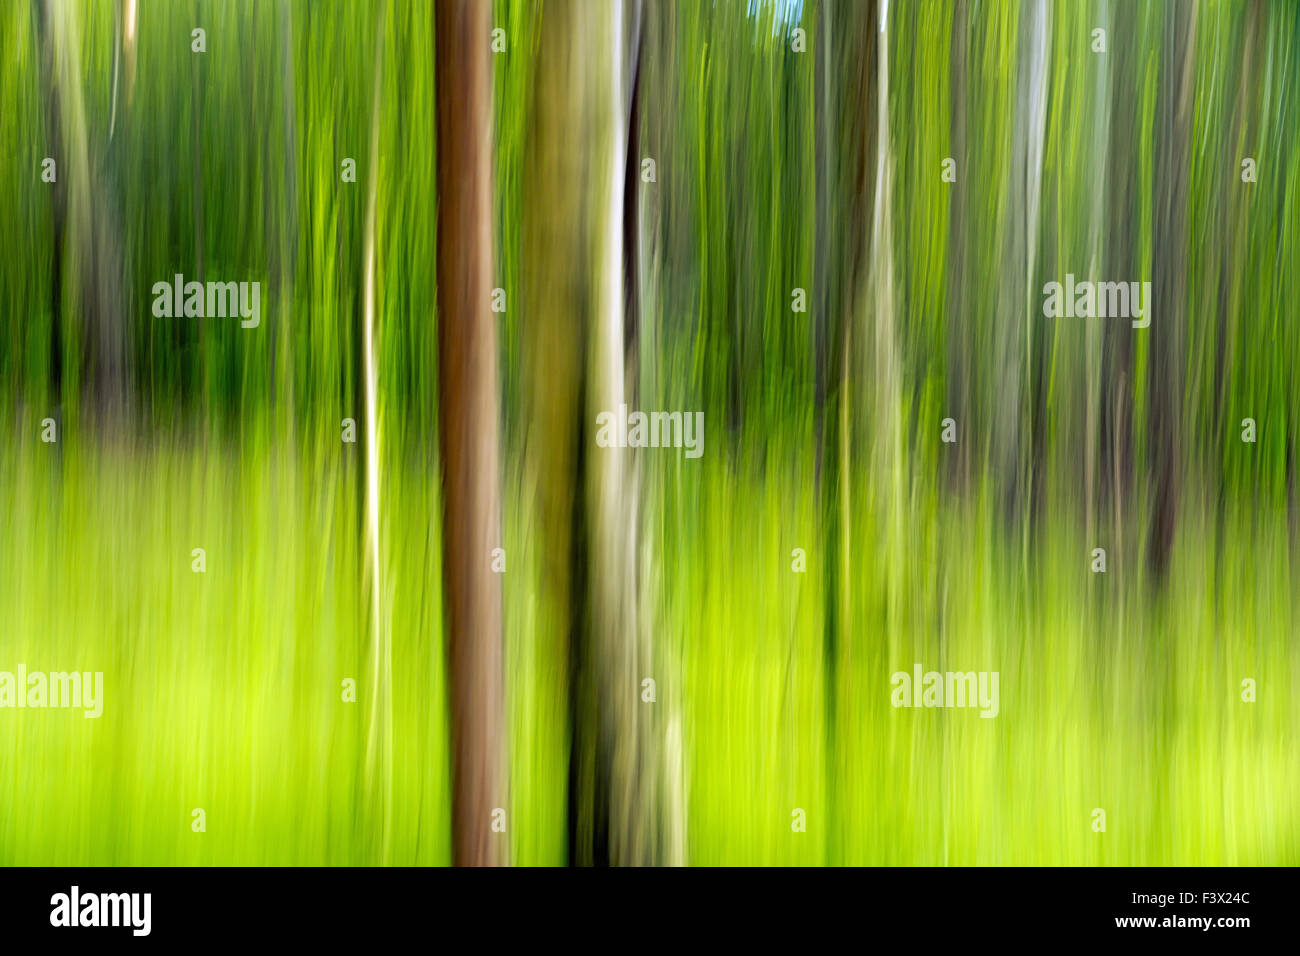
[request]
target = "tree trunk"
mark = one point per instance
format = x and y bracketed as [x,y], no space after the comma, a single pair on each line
[379,748]
[467,355]
[88,248]
[1173,138]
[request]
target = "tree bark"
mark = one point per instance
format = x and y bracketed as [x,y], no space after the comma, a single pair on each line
[467,355]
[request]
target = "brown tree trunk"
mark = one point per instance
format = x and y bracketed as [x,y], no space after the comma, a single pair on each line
[469,432]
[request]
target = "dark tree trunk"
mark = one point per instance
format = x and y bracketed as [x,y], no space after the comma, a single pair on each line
[1169,305]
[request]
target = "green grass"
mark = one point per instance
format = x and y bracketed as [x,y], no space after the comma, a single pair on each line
[223,689]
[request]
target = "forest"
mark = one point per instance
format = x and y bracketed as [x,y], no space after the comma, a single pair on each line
[322,328]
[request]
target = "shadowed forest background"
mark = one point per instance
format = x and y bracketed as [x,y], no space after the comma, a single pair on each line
[794,146]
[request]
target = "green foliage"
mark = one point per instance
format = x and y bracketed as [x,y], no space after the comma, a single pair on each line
[1119,691]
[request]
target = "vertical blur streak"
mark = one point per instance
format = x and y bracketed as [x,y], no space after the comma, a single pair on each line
[89,251]
[1123,188]
[611,636]
[128,50]
[197,121]
[117,70]
[1014,356]
[1029,157]
[1096,225]
[1173,126]
[959,328]
[625,751]
[378,744]
[551,266]
[651,136]
[885,414]
[287,256]
[467,355]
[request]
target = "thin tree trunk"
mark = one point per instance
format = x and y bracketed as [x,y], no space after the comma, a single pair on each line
[1015,357]
[1117,358]
[287,259]
[959,322]
[827,493]
[1173,121]
[886,418]
[661,654]
[379,736]
[196,180]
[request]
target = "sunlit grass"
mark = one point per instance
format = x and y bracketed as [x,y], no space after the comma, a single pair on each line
[225,689]
[1108,698]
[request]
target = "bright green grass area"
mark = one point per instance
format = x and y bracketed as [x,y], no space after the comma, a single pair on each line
[223,690]
[1108,699]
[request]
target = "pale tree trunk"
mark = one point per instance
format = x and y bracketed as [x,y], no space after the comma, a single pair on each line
[1016,289]
[881,300]
[467,357]
[1013,402]
[379,744]
[1097,395]
[611,636]
[627,746]
[88,249]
